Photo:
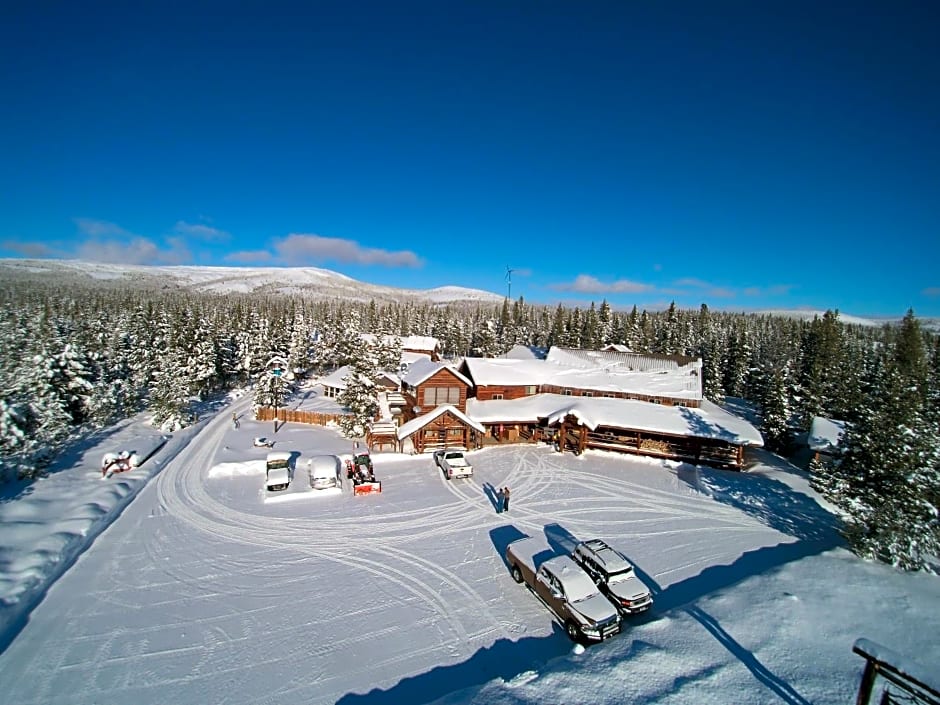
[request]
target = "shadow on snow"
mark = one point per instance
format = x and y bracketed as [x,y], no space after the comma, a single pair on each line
[504,659]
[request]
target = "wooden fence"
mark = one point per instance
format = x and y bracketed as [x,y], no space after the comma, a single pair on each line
[314,418]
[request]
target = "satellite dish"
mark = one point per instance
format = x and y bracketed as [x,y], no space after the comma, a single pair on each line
[416,409]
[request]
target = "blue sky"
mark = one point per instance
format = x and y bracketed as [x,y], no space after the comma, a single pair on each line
[748,155]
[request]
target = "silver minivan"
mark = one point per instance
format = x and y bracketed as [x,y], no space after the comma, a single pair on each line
[324,471]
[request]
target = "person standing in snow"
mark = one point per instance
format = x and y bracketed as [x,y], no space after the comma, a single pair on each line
[500,500]
[234,419]
[505,492]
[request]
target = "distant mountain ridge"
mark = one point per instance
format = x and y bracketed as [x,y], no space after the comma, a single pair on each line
[311,282]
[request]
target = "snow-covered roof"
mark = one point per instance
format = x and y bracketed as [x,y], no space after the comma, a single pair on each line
[524,352]
[420,342]
[655,377]
[629,361]
[707,421]
[825,435]
[517,372]
[420,370]
[336,378]
[408,357]
[406,429]
[408,342]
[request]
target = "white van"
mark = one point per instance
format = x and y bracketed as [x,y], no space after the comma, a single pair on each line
[324,471]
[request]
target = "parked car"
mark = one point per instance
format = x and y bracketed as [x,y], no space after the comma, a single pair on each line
[565,589]
[614,575]
[453,462]
[278,471]
[324,471]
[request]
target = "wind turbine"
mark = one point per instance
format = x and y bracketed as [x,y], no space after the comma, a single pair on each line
[509,271]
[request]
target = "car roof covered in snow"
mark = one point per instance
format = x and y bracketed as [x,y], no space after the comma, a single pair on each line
[576,583]
[611,559]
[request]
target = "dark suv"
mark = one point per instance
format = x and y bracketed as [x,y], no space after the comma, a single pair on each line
[614,575]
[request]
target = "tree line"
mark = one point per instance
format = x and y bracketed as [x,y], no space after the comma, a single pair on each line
[79,357]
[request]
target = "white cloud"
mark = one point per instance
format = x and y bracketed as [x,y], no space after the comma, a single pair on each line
[29,249]
[931,291]
[137,250]
[109,242]
[200,231]
[249,257]
[586,284]
[298,248]
[101,228]
[775,290]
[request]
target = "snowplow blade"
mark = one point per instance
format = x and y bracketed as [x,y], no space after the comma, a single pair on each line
[368,488]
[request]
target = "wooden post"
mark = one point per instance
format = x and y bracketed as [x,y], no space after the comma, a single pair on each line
[867,685]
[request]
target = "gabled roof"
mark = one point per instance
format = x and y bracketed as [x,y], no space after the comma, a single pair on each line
[422,369]
[336,378]
[408,357]
[615,360]
[511,372]
[424,343]
[707,421]
[601,372]
[525,352]
[406,429]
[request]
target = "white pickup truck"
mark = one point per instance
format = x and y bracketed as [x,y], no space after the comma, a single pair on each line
[565,589]
[278,471]
[454,463]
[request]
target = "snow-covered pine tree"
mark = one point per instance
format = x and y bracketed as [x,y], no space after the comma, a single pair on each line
[887,479]
[485,342]
[169,396]
[388,353]
[360,399]
[669,333]
[738,361]
[590,334]
[775,424]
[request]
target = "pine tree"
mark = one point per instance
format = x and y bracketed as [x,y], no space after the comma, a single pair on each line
[360,399]
[605,325]
[669,334]
[484,342]
[776,412]
[887,480]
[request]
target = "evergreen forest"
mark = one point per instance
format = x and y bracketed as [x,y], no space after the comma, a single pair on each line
[80,357]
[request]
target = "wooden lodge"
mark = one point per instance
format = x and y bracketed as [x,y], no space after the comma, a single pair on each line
[611,400]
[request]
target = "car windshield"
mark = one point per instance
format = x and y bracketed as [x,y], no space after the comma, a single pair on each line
[621,577]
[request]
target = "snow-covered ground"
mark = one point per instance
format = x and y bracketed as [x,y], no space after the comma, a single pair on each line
[197,590]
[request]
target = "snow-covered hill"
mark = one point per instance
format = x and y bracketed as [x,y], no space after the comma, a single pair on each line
[809,315]
[304,281]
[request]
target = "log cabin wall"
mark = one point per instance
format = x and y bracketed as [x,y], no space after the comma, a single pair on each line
[504,391]
[436,390]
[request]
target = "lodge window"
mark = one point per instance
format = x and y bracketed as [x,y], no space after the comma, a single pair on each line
[609,395]
[497,395]
[435,396]
[587,394]
[530,390]
[567,392]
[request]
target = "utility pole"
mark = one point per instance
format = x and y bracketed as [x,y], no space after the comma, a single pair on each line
[276,384]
